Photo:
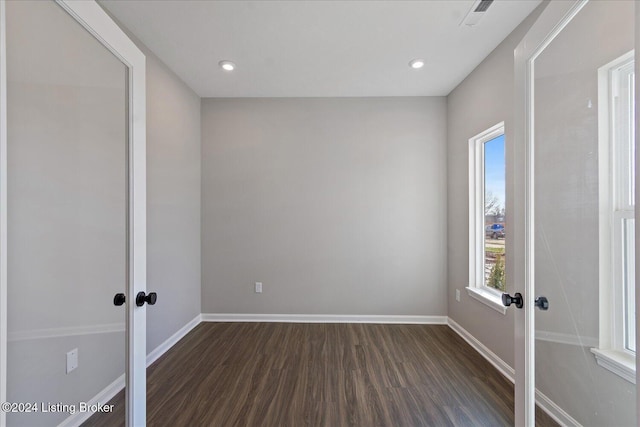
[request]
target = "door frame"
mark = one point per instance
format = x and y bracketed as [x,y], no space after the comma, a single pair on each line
[95,20]
[637,212]
[550,23]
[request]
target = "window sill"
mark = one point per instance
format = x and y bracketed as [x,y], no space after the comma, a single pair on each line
[488,298]
[618,362]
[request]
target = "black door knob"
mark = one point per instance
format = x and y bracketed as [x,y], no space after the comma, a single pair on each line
[150,299]
[118,299]
[516,299]
[542,303]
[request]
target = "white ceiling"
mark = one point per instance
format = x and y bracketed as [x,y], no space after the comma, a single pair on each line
[319,48]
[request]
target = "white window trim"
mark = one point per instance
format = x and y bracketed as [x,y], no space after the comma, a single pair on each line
[620,363]
[610,353]
[476,288]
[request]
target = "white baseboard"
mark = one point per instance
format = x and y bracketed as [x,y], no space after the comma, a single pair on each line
[546,404]
[323,318]
[115,387]
[554,411]
[103,397]
[172,340]
[491,357]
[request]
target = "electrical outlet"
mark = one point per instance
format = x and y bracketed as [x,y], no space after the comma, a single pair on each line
[458,295]
[258,287]
[72,360]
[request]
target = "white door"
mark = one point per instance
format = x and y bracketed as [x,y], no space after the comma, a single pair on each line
[574,219]
[72,216]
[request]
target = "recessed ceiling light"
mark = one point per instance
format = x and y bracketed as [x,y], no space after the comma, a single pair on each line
[227,65]
[416,63]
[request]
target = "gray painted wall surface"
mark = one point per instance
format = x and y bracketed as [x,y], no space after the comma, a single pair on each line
[482,100]
[38,377]
[337,205]
[173,201]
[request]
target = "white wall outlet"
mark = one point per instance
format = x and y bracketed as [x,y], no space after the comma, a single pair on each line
[458,295]
[258,287]
[72,360]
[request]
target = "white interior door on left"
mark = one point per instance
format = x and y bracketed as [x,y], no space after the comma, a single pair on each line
[72,232]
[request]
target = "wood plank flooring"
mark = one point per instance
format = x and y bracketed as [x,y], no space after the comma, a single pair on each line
[288,374]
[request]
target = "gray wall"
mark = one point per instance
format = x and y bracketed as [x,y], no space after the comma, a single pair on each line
[173,198]
[173,201]
[482,100]
[338,205]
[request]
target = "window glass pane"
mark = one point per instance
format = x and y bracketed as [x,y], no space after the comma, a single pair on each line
[629,284]
[494,213]
[624,134]
[632,134]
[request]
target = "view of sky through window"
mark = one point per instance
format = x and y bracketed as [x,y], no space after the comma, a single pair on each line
[495,168]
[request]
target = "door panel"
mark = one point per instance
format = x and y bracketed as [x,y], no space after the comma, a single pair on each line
[68,213]
[578,134]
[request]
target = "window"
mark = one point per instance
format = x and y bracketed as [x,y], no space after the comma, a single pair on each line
[616,167]
[487,216]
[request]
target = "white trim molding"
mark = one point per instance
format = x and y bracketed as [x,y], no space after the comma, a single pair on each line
[620,363]
[477,214]
[521,265]
[554,411]
[546,404]
[101,398]
[324,318]
[488,298]
[96,21]
[36,334]
[118,385]
[491,357]
[616,209]
[569,339]
[173,340]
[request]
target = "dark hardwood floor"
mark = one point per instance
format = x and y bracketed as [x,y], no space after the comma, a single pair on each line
[288,374]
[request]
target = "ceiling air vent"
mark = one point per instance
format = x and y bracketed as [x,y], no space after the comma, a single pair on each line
[476,12]
[483,6]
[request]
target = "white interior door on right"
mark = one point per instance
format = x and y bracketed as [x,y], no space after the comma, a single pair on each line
[576,334]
